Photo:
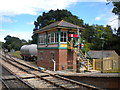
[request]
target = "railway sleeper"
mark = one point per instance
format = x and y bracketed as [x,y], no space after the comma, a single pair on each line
[17,66]
[82,85]
[69,85]
[32,68]
[90,87]
[59,82]
[62,83]
[8,77]
[38,83]
[57,85]
[26,68]
[15,84]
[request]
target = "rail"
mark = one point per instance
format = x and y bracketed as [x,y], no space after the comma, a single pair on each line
[54,79]
[7,82]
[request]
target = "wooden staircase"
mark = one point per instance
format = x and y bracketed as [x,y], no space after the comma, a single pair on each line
[85,62]
[81,57]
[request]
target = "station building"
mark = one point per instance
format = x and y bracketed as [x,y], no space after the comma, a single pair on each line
[53,49]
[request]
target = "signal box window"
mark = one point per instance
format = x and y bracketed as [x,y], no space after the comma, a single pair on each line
[42,38]
[53,37]
[63,37]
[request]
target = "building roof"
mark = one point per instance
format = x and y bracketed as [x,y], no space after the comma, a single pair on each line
[99,54]
[60,24]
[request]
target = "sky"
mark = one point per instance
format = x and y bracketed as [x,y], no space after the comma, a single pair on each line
[17,16]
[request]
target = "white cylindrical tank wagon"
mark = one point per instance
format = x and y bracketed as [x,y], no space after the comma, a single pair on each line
[29,52]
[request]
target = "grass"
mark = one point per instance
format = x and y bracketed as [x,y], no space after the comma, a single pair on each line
[116,70]
[16,54]
[113,71]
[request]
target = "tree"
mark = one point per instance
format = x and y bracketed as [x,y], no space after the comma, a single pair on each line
[118,32]
[92,34]
[50,17]
[96,35]
[1,44]
[13,43]
[116,8]
[53,16]
[88,33]
[34,38]
[74,19]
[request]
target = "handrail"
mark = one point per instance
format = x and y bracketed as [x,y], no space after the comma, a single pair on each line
[87,53]
[82,57]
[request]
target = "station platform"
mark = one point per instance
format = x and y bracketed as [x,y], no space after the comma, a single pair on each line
[93,73]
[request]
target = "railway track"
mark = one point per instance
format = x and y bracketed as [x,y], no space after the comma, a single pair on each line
[12,82]
[55,81]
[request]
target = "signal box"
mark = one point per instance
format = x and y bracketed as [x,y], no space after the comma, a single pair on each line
[54,46]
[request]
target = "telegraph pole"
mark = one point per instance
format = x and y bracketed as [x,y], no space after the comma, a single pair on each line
[102,61]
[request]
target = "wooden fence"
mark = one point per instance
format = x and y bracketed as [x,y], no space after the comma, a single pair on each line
[108,64]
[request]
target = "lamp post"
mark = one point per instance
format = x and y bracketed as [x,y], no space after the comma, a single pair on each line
[102,62]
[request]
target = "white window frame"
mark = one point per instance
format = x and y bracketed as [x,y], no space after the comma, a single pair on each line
[55,37]
[64,38]
[42,39]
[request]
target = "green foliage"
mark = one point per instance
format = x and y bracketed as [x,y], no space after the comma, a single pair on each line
[116,8]
[74,20]
[53,16]
[1,44]
[57,15]
[34,37]
[118,32]
[96,37]
[99,37]
[13,43]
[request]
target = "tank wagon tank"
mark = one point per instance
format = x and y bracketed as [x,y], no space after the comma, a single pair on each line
[29,52]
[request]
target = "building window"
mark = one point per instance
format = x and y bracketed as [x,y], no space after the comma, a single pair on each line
[42,39]
[63,37]
[53,37]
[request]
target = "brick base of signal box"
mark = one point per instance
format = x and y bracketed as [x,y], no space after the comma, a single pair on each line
[65,59]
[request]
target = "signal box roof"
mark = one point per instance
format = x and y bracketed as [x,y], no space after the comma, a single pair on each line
[60,24]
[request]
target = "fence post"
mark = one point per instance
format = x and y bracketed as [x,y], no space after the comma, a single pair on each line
[93,64]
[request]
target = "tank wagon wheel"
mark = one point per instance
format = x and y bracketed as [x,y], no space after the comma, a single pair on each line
[34,58]
[23,57]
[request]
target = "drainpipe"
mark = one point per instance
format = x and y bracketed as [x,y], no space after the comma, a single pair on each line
[54,64]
